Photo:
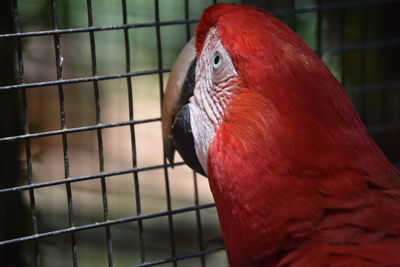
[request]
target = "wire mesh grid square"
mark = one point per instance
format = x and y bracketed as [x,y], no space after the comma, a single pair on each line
[93,187]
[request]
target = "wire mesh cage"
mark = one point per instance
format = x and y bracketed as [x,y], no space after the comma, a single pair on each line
[83,176]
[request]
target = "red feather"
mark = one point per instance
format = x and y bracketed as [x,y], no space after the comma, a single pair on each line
[296,179]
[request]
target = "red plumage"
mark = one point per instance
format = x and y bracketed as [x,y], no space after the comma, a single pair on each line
[296,179]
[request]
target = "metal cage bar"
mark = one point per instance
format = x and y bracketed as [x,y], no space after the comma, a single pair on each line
[200,240]
[59,61]
[99,134]
[74,229]
[28,153]
[132,133]
[166,175]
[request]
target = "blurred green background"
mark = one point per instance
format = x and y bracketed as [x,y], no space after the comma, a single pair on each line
[359,43]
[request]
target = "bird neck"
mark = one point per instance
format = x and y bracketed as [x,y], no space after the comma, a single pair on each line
[271,174]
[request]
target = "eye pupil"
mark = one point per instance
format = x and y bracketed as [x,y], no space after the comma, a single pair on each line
[216,60]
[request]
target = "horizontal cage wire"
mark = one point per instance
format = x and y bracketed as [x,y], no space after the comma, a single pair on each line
[84,179]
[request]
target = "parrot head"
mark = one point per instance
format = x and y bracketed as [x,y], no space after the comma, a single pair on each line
[246,70]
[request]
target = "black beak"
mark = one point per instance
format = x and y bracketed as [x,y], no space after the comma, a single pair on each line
[177,133]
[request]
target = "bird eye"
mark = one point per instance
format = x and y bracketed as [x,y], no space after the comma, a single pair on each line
[217,60]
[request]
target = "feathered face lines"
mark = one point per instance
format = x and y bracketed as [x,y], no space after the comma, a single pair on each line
[216,78]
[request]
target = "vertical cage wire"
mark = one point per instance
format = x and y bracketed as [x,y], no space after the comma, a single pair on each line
[166,175]
[59,61]
[28,153]
[132,132]
[99,134]
[319,30]
[200,239]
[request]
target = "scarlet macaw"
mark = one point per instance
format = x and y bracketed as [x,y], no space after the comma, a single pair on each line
[296,179]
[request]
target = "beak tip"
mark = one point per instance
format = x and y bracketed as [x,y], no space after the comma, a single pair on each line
[169,151]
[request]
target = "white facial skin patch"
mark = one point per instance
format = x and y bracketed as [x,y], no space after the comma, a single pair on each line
[215,78]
